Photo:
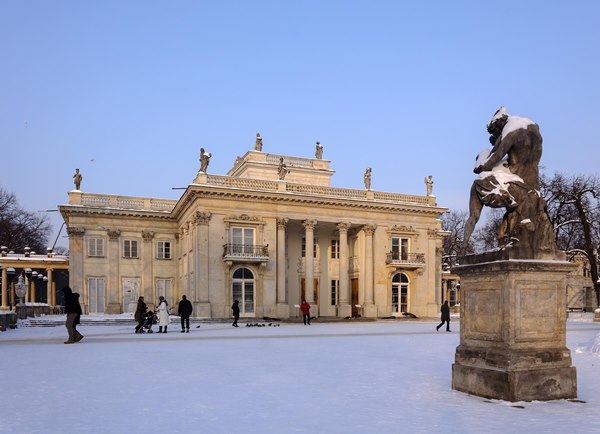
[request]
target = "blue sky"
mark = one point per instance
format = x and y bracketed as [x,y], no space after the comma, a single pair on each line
[128,91]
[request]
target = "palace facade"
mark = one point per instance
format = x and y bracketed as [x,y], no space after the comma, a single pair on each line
[270,233]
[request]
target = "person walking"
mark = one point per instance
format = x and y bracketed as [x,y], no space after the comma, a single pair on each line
[305,309]
[77,306]
[140,313]
[445,317]
[235,307]
[184,311]
[71,311]
[163,314]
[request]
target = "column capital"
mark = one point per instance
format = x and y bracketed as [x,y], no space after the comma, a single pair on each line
[343,226]
[369,228]
[201,217]
[147,235]
[282,222]
[309,224]
[75,232]
[113,235]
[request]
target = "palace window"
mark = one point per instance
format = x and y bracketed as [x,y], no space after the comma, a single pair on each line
[95,247]
[242,240]
[97,294]
[164,287]
[335,249]
[163,250]
[335,287]
[130,248]
[399,248]
[399,293]
[242,289]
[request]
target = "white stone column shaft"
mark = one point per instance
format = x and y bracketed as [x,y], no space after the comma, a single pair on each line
[369,297]
[4,290]
[281,289]
[309,272]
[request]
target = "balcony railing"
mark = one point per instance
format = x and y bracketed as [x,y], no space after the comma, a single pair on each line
[245,252]
[412,260]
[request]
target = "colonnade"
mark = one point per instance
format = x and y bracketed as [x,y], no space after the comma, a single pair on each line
[344,297]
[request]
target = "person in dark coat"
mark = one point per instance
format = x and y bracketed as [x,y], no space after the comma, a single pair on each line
[77,306]
[235,307]
[305,309]
[184,311]
[445,316]
[140,312]
[72,313]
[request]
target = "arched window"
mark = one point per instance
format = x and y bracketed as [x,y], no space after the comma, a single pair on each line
[399,293]
[242,289]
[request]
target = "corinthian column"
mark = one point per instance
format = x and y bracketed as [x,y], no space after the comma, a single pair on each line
[369,310]
[344,309]
[201,269]
[283,310]
[309,271]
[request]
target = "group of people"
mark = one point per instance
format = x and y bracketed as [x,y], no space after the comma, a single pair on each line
[185,309]
[162,311]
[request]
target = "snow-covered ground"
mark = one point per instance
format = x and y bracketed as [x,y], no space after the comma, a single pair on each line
[361,377]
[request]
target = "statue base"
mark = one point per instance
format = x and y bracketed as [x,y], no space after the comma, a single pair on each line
[513,330]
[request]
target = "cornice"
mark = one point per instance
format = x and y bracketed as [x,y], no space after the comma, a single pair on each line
[292,198]
[86,210]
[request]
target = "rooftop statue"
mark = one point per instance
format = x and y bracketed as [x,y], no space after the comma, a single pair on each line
[77,178]
[319,151]
[508,177]
[367,178]
[429,185]
[282,170]
[258,144]
[204,160]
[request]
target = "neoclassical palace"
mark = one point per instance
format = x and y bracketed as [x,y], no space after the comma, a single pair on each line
[270,233]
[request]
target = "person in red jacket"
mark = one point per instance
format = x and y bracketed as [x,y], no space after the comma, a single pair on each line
[305,308]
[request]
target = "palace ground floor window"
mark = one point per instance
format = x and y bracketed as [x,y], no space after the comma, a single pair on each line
[97,294]
[399,293]
[242,289]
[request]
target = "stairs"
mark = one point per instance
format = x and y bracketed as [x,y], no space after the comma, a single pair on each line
[86,320]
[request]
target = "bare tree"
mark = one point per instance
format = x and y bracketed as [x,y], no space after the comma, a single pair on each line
[486,237]
[20,228]
[574,209]
[454,223]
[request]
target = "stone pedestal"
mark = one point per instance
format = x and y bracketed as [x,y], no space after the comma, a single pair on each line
[201,310]
[283,310]
[513,330]
[345,310]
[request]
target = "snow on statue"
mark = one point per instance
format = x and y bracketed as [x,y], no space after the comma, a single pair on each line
[508,177]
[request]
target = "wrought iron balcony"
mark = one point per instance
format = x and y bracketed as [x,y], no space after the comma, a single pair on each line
[405,260]
[245,253]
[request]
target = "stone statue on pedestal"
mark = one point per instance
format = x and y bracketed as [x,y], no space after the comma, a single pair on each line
[513,301]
